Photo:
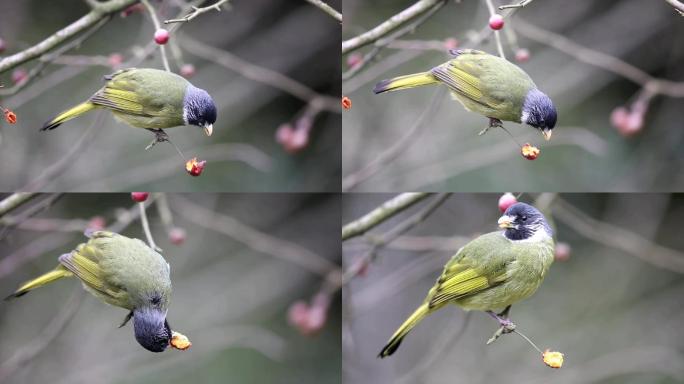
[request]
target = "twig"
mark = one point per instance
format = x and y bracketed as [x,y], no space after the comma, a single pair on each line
[98,12]
[157,26]
[14,201]
[198,11]
[33,348]
[386,41]
[394,22]
[63,164]
[380,241]
[146,227]
[327,9]
[618,238]
[261,74]
[252,238]
[380,214]
[497,36]
[352,180]
[678,6]
[515,5]
[46,58]
[601,60]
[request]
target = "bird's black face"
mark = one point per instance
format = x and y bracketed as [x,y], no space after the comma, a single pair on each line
[151,329]
[539,112]
[523,221]
[199,109]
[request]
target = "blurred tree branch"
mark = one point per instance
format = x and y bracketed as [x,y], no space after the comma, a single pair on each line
[380,214]
[678,6]
[157,26]
[327,9]
[601,60]
[33,348]
[389,25]
[14,201]
[252,238]
[618,238]
[198,11]
[99,11]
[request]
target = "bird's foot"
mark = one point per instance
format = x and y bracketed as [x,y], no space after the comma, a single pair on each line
[493,123]
[159,137]
[507,326]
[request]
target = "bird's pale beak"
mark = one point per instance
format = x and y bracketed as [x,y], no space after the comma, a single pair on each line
[208,129]
[506,222]
[547,134]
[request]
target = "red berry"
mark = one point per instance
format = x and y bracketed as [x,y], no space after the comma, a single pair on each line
[10,116]
[627,123]
[346,102]
[506,200]
[522,55]
[496,22]
[529,151]
[450,43]
[284,133]
[3,46]
[315,320]
[187,70]
[195,167]
[563,251]
[298,313]
[161,36]
[177,235]
[298,141]
[354,59]
[114,60]
[139,196]
[19,75]
[97,223]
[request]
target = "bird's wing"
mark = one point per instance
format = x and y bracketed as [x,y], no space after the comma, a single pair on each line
[472,270]
[464,75]
[82,262]
[123,93]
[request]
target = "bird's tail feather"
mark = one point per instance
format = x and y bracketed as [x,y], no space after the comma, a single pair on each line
[404,82]
[39,281]
[394,342]
[68,115]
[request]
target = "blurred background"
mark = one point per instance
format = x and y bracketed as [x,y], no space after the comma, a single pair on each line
[234,280]
[294,39]
[611,301]
[587,152]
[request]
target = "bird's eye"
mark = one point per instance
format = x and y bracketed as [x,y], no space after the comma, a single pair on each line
[524,218]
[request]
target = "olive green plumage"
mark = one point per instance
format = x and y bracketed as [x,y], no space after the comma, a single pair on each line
[116,269]
[123,272]
[147,98]
[490,272]
[488,85]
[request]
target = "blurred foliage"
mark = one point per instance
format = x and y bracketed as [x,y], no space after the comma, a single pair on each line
[645,34]
[228,299]
[616,317]
[273,34]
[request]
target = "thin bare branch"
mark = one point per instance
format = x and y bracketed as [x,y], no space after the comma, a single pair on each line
[327,9]
[157,26]
[14,201]
[198,11]
[380,214]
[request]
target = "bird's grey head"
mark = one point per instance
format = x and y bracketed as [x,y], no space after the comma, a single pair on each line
[539,112]
[199,109]
[524,222]
[151,329]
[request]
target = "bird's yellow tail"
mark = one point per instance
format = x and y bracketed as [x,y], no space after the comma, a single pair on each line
[39,281]
[403,82]
[393,343]
[68,115]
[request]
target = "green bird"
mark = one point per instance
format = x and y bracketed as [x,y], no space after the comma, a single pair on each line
[123,272]
[493,271]
[486,84]
[148,98]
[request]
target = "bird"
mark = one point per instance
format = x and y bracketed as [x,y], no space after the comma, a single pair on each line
[123,272]
[486,84]
[147,98]
[495,270]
